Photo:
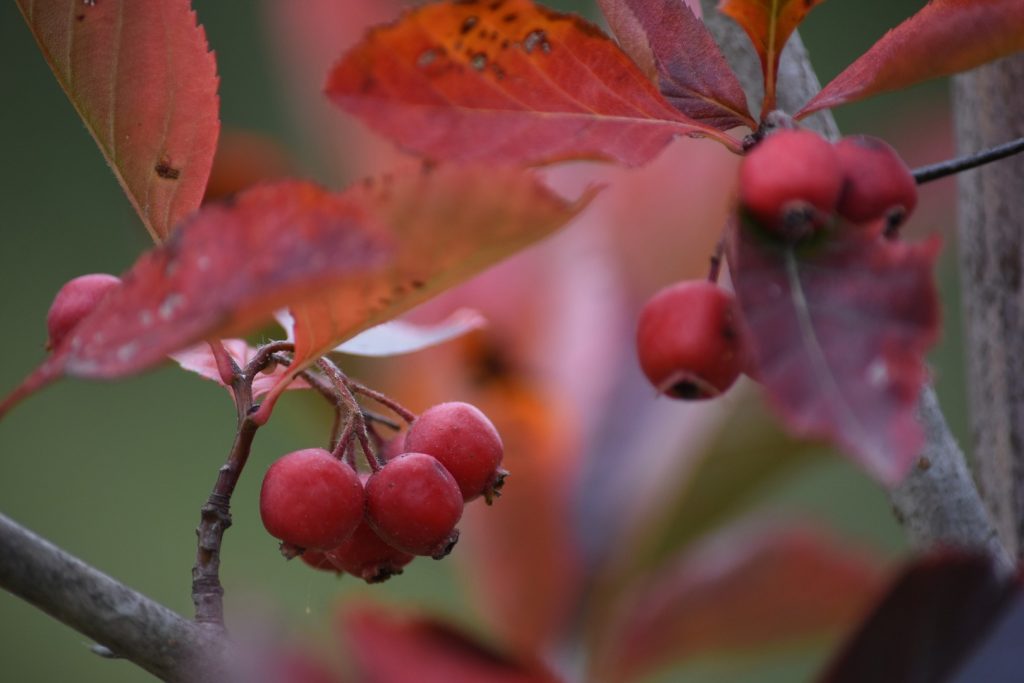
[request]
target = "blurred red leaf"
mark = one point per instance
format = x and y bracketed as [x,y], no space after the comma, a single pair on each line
[743,589]
[506,81]
[391,649]
[930,621]
[450,222]
[141,76]
[243,159]
[223,271]
[691,71]
[839,327]
[769,23]
[944,37]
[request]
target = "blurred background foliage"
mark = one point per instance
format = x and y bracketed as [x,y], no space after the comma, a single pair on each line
[115,473]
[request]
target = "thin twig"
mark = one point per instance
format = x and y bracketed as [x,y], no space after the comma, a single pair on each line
[383,399]
[343,386]
[925,174]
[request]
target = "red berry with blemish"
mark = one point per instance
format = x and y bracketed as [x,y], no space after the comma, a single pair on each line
[790,183]
[75,300]
[414,503]
[876,182]
[310,499]
[368,556]
[462,439]
[688,340]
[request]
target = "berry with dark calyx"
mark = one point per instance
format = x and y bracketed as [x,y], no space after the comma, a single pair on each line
[790,183]
[414,503]
[876,182]
[688,340]
[310,499]
[462,439]
[75,300]
[366,555]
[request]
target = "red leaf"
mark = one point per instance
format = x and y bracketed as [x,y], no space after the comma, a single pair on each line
[744,589]
[944,37]
[200,360]
[506,81]
[141,76]
[450,222]
[692,72]
[929,623]
[390,649]
[839,327]
[224,271]
[769,23]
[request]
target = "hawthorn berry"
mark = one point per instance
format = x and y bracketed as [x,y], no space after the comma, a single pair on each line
[688,340]
[790,182]
[368,556]
[318,560]
[876,182]
[462,439]
[75,300]
[414,503]
[310,499]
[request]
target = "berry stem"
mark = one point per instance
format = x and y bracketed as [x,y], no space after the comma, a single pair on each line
[386,401]
[716,261]
[926,174]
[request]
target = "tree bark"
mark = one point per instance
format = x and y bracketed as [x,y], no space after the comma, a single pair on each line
[125,622]
[938,502]
[989,109]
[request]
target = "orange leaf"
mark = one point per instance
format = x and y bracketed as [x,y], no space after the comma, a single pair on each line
[506,80]
[141,76]
[945,37]
[769,23]
[449,222]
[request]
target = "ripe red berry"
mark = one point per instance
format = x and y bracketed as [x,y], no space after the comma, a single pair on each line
[75,300]
[311,499]
[464,441]
[876,181]
[318,560]
[688,340]
[790,182]
[366,555]
[414,503]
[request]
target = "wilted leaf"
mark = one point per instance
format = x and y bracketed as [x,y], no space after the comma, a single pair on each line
[743,589]
[450,222]
[200,360]
[769,23]
[389,649]
[944,37]
[141,76]
[933,617]
[839,326]
[224,271]
[397,337]
[691,71]
[506,81]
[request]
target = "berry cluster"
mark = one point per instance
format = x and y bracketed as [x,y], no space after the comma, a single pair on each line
[372,525]
[793,184]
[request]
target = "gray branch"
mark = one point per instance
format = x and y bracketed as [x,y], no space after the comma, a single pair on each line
[989,109]
[125,623]
[938,502]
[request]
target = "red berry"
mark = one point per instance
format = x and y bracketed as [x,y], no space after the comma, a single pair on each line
[877,182]
[414,503]
[318,560]
[75,300]
[311,499]
[688,340]
[366,555]
[464,441]
[790,182]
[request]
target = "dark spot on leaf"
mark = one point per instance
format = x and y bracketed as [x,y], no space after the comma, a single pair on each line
[478,61]
[468,24]
[496,5]
[80,17]
[510,17]
[166,171]
[418,284]
[504,44]
[499,73]
[536,39]
[429,56]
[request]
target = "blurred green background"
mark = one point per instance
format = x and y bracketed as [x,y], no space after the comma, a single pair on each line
[115,473]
